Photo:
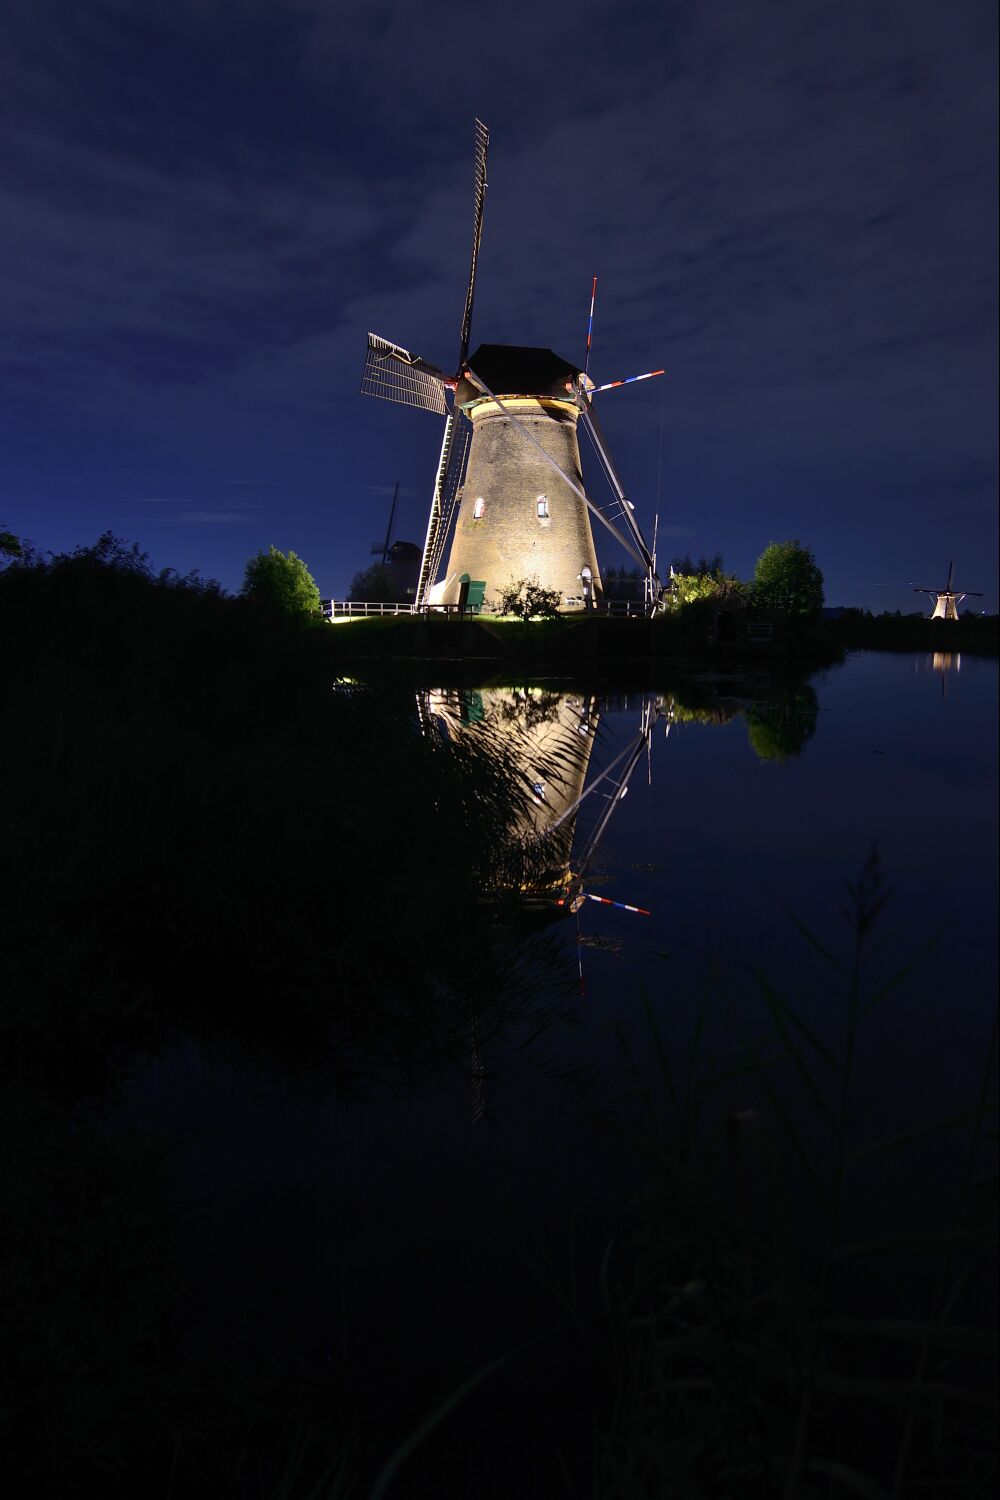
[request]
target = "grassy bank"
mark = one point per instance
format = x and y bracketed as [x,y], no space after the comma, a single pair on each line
[581,643]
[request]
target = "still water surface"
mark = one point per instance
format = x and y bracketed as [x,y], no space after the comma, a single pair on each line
[409,1239]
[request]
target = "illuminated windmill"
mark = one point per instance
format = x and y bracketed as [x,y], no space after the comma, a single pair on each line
[509,461]
[946,600]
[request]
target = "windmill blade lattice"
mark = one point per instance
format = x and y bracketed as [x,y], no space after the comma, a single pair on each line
[394,374]
[482,147]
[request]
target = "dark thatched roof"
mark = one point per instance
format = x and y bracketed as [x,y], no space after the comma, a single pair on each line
[517,370]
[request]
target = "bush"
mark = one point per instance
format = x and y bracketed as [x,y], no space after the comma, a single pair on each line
[282,581]
[692,588]
[526,599]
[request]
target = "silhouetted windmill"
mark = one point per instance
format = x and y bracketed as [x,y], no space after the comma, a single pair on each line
[381,549]
[511,435]
[946,600]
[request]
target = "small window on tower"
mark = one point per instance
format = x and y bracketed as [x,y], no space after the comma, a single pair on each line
[479,509]
[542,506]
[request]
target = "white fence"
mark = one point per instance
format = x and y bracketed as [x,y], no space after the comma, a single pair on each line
[343,609]
[349,609]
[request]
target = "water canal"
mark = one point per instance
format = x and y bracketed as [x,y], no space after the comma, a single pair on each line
[387,1246]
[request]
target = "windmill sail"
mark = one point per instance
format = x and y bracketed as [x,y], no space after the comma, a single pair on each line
[447,483]
[394,374]
[593,428]
[451,485]
[482,147]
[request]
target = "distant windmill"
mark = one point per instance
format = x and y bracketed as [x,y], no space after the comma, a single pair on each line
[382,548]
[511,435]
[946,600]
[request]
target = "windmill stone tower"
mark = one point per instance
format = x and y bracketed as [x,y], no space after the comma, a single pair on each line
[518,518]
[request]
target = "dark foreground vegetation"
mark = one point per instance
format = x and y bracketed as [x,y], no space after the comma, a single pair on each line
[212,838]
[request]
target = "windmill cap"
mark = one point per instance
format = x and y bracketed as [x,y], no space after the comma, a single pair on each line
[518,370]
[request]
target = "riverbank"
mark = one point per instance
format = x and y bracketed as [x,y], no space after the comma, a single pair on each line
[581,642]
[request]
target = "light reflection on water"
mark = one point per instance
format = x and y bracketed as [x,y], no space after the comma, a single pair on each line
[751,802]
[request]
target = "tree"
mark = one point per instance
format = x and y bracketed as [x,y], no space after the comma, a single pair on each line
[10,545]
[282,581]
[622,583]
[527,600]
[711,567]
[779,730]
[786,577]
[374,585]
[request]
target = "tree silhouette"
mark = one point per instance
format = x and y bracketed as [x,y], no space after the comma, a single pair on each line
[374,585]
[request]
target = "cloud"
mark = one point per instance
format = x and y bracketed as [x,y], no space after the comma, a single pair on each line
[214,518]
[180,509]
[206,206]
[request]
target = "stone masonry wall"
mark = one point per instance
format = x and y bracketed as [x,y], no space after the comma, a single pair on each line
[508,474]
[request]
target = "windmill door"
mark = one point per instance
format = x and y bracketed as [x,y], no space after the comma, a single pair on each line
[471,592]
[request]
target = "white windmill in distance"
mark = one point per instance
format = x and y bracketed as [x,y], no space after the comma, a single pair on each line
[946,600]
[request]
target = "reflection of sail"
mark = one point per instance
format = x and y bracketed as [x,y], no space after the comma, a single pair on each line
[543,741]
[615,778]
[547,739]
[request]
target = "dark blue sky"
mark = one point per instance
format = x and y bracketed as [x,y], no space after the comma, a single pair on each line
[791,205]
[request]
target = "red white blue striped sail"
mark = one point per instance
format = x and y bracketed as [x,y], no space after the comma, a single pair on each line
[623,905]
[629,380]
[590,325]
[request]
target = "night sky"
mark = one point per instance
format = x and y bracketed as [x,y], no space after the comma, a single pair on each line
[790,205]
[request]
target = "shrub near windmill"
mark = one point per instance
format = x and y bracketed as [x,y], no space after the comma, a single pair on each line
[510,461]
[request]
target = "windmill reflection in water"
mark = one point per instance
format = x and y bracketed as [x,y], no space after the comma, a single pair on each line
[547,739]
